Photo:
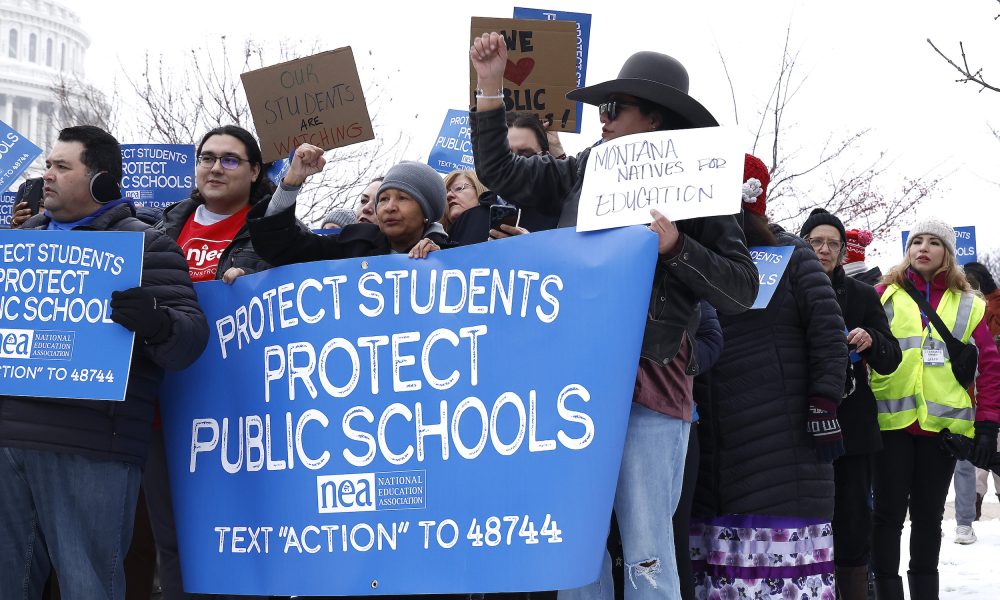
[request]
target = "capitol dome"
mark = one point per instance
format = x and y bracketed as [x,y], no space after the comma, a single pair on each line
[40,41]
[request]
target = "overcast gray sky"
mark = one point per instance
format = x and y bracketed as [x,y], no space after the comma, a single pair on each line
[867,65]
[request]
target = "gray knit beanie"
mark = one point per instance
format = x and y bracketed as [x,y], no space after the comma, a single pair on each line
[936,227]
[340,217]
[421,182]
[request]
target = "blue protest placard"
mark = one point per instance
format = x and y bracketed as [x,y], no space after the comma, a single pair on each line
[965,243]
[16,155]
[582,42]
[6,208]
[157,175]
[276,172]
[453,148]
[398,426]
[771,262]
[57,339]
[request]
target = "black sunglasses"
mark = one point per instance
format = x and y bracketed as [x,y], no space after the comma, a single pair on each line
[611,108]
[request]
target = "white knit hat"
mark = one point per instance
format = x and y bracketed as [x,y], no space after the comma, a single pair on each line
[936,227]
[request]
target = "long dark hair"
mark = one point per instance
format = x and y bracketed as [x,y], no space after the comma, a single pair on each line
[757,231]
[262,186]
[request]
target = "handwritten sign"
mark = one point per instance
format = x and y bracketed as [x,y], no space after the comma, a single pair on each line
[683,174]
[316,100]
[582,21]
[410,426]
[6,208]
[453,148]
[16,154]
[965,244]
[57,339]
[157,175]
[771,262]
[540,67]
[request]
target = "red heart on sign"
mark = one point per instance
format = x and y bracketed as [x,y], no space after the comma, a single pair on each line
[520,71]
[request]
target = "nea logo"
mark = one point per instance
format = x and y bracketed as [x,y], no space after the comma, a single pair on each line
[16,343]
[346,493]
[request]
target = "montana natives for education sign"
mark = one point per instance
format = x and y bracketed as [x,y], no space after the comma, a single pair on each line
[317,100]
[16,154]
[57,339]
[157,175]
[683,174]
[398,426]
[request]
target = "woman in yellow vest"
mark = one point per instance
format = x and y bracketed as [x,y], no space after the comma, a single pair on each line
[913,471]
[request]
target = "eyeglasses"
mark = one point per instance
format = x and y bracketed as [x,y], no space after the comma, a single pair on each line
[817,244]
[611,108]
[229,162]
[460,189]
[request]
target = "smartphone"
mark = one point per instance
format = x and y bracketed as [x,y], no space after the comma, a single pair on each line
[31,192]
[502,214]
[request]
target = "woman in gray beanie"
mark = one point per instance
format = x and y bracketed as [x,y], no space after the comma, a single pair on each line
[409,203]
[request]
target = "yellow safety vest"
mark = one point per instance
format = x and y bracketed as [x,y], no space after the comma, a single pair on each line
[928,394]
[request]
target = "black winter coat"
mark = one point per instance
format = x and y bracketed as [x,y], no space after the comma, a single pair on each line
[861,307]
[117,430]
[756,455]
[240,253]
[280,241]
[712,262]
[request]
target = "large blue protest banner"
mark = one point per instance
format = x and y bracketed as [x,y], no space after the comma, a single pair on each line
[157,175]
[57,339]
[582,42]
[771,262]
[965,243]
[6,208]
[453,148]
[390,426]
[16,155]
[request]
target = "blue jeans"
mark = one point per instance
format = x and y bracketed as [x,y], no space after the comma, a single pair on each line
[74,511]
[965,492]
[649,488]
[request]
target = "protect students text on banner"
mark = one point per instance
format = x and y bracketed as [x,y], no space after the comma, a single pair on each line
[965,243]
[683,174]
[771,262]
[6,208]
[157,175]
[391,426]
[57,339]
[16,155]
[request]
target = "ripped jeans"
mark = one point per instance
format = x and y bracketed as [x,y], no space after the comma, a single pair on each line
[649,487]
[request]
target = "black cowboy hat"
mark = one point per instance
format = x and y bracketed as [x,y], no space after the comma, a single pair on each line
[655,77]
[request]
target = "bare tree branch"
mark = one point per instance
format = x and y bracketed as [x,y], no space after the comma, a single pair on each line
[968,75]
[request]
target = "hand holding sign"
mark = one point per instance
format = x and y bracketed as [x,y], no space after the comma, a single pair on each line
[307,160]
[665,230]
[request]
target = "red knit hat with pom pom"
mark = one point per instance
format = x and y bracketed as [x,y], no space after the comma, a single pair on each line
[857,241]
[755,180]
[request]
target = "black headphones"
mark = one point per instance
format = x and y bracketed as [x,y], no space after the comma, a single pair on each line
[103,188]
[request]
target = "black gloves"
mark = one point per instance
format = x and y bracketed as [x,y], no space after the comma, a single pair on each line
[980,273]
[135,309]
[822,423]
[984,444]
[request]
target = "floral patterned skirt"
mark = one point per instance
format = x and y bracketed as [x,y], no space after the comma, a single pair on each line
[755,557]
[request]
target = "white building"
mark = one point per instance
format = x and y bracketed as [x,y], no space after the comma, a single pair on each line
[39,41]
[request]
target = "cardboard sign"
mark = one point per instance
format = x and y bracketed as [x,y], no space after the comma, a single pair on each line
[965,244]
[771,262]
[410,426]
[453,148]
[16,154]
[57,339]
[541,67]
[6,208]
[582,21]
[157,175]
[683,174]
[316,100]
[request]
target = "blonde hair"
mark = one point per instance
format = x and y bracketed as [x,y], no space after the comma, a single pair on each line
[450,178]
[956,276]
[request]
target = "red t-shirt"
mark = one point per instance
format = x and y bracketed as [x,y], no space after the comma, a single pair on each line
[204,244]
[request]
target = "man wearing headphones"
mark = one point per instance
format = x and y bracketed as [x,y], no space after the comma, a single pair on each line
[70,469]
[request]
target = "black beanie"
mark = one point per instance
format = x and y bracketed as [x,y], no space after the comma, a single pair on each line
[819,216]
